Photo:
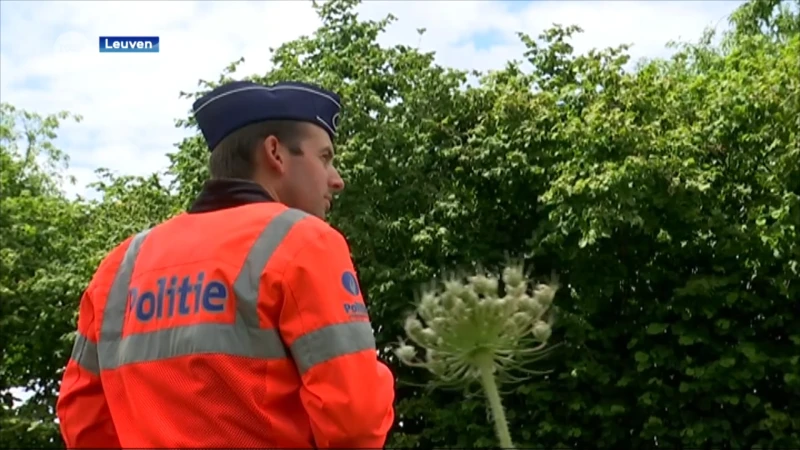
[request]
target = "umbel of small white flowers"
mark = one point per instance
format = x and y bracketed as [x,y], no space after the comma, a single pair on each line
[469,332]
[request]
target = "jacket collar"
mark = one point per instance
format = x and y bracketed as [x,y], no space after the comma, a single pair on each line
[228,193]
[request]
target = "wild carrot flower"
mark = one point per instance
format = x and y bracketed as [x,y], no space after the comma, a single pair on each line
[470,331]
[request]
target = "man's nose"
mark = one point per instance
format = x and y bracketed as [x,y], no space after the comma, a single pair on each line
[336,182]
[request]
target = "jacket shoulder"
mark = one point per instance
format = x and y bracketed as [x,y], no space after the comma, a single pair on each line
[312,229]
[303,225]
[110,264]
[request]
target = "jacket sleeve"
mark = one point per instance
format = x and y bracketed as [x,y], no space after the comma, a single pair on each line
[347,393]
[82,410]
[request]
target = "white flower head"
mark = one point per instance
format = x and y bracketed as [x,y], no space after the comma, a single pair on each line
[470,331]
[484,285]
[405,353]
[514,277]
[542,331]
[544,293]
[467,320]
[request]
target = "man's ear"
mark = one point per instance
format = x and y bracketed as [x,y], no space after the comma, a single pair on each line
[272,155]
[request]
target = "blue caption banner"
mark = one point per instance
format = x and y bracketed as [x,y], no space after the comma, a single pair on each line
[128,44]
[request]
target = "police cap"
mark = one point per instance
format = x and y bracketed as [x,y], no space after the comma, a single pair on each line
[240,103]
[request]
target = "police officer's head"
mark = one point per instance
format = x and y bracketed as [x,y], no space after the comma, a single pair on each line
[278,136]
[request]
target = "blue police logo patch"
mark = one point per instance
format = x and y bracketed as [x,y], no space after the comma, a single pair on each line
[356,310]
[350,283]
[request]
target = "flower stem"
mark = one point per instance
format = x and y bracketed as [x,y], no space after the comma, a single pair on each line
[495,403]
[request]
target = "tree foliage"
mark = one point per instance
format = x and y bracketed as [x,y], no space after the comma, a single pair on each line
[666,195]
[39,247]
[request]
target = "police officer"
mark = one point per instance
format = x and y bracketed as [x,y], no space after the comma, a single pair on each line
[239,323]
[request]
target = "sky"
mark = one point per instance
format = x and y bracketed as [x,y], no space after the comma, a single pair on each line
[50,61]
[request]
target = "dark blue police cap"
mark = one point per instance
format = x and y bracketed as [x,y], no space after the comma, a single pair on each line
[234,105]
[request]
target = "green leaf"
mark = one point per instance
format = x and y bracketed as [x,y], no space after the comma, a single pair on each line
[752,400]
[727,362]
[656,328]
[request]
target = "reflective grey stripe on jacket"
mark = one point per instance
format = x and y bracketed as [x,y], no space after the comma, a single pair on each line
[242,338]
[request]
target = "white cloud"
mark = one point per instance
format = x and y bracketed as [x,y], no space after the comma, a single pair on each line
[129,102]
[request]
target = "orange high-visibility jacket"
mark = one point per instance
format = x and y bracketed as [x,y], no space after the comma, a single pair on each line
[243,327]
